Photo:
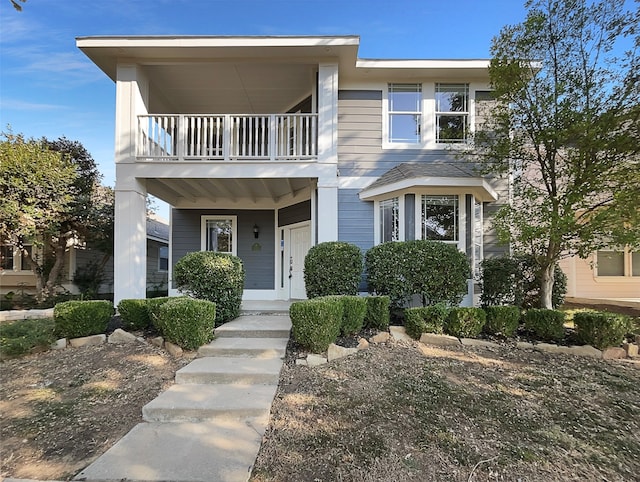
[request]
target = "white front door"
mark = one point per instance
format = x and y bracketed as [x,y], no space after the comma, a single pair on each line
[299,244]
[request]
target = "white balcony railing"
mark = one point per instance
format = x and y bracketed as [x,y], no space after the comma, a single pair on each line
[227,137]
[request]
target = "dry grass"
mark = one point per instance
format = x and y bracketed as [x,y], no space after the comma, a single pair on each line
[406,412]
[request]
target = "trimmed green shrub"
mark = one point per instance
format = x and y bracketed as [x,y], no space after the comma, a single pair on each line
[545,324]
[332,268]
[502,320]
[134,314]
[516,281]
[212,276]
[316,323]
[154,305]
[601,329]
[187,322]
[22,336]
[378,314]
[428,319]
[401,270]
[465,322]
[354,310]
[74,319]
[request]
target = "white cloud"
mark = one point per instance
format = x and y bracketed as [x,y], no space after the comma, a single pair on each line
[15,104]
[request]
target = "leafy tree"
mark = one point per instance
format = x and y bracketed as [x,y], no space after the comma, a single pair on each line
[565,126]
[51,198]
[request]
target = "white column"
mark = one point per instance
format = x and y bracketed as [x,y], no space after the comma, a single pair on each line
[132,98]
[327,220]
[328,113]
[130,241]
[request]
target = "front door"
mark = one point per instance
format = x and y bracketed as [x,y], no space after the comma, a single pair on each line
[299,244]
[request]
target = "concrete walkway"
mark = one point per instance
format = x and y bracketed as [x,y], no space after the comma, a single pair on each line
[208,427]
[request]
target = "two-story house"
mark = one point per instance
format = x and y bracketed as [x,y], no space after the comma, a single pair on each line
[265,146]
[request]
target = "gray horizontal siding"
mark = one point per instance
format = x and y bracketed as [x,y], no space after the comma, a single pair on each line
[257,254]
[355,219]
[492,246]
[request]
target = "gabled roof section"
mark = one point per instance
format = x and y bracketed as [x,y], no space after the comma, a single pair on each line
[107,51]
[432,174]
[157,229]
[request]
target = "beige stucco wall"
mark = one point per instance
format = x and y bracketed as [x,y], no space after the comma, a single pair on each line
[582,282]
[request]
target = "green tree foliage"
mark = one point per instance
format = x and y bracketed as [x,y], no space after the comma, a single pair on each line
[565,126]
[332,268]
[51,197]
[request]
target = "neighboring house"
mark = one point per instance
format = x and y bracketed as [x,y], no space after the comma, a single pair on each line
[612,274]
[16,275]
[266,146]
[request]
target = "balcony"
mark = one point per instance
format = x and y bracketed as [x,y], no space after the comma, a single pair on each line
[227,137]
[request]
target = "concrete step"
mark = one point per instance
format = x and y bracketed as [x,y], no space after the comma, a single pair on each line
[245,347]
[256,326]
[235,370]
[196,403]
[223,450]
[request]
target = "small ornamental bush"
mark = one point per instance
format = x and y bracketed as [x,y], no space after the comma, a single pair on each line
[134,314]
[153,307]
[545,324]
[465,322]
[428,319]
[502,320]
[212,276]
[74,319]
[316,323]
[187,322]
[516,281]
[401,270]
[354,310]
[601,329]
[378,314]
[22,336]
[333,268]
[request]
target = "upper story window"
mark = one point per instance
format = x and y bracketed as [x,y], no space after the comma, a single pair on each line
[219,234]
[452,113]
[405,113]
[389,220]
[6,257]
[440,218]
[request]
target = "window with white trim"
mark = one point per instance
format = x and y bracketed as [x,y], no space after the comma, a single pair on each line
[405,113]
[219,234]
[440,218]
[452,113]
[13,258]
[163,258]
[610,263]
[389,211]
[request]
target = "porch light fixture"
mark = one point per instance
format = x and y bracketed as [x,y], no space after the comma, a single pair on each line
[256,231]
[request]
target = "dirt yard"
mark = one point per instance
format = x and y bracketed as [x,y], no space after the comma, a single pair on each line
[62,409]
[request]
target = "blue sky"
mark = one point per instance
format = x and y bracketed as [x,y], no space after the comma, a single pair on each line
[49,88]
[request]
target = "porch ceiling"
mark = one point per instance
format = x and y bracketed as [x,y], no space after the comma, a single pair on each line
[228,87]
[185,192]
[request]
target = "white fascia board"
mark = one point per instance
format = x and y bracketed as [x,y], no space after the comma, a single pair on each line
[215,41]
[480,186]
[423,64]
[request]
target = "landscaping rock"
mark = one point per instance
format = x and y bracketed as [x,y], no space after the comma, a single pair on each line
[314,360]
[59,344]
[475,342]
[174,350]
[525,345]
[88,340]
[439,340]
[157,341]
[631,349]
[381,337]
[335,352]
[399,333]
[547,347]
[363,344]
[301,362]
[613,353]
[585,350]
[121,336]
